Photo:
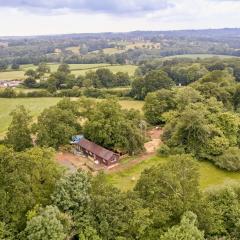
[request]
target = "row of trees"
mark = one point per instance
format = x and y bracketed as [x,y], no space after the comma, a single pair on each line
[106,123]
[63,79]
[154,75]
[166,203]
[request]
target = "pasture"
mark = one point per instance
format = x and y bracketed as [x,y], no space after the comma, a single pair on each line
[194,56]
[77,69]
[75,50]
[12,75]
[37,105]
[210,175]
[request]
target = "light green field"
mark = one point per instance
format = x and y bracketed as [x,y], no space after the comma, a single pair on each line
[209,174]
[54,67]
[194,56]
[77,69]
[130,69]
[37,105]
[112,51]
[75,50]
[12,75]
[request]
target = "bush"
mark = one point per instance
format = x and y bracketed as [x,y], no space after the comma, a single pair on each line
[164,150]
[229,160]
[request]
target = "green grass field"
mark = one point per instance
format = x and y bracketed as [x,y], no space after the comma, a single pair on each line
[77,69]
[130,69]
[12,75]
[37,105]
[34,105]
[209,174]
[194,56]
[75,50]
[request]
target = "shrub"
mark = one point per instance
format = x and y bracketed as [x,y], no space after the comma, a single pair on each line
[229,160]
[164,150]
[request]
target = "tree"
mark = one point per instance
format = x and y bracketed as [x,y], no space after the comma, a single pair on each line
[72,193]
[218,84]
[3,65]
[15,66]
[117,215]
[48,224]
[105,77]
[158,103]
[225,211]
[186,230]
[64,68]
[169,190]
[19,133]
[72,196]
[56,125]
[30,82]
[26,179]
[122,79]
[32,76]
[30,73]
[42,69]
[109,126]
[229,160]
[153,81]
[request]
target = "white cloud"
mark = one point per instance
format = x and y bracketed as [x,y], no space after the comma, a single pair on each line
[184,14]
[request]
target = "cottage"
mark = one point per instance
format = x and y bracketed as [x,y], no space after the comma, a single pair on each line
[99,154]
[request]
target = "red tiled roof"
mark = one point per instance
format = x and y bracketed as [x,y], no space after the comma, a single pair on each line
[96,149]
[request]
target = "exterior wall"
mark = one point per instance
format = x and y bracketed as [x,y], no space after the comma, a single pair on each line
[91,155]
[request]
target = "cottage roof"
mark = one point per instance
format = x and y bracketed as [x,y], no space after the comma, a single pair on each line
[96,149]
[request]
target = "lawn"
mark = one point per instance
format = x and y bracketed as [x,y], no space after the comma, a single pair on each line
[209,174]
[37,105]
[77,69]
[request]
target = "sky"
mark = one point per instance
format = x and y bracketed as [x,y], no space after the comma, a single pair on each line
[44,17]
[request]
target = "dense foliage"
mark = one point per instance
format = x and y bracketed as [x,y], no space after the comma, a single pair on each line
[165,204]
[114,128]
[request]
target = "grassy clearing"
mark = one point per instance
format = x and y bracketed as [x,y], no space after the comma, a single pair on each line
[34,105]
[77,69]
[54,66]
[75,50]
[12,75]
[37,105]
[209,174]
[112,51]
[194,56]
[130,69]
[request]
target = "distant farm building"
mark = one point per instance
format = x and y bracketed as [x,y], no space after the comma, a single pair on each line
[10,83]
[95,152]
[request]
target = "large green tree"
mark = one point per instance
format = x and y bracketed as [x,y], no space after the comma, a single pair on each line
[19,132]
[26,179]
[158,103]
[56,125]
[48,224]
[169,190]
[152,81]
[111,127]
[186,230]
